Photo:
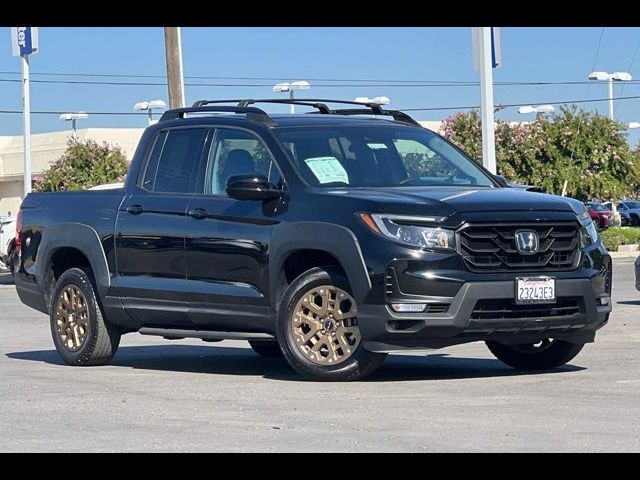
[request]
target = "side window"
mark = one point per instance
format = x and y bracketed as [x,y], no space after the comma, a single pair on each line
[171,170]
[235,152]
[152,163]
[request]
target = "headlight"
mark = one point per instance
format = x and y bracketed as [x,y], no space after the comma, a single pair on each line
[588,234]
[410,230]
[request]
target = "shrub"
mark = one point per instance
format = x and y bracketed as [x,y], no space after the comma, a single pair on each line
[612,239]
[83,165]
[584,149]
[616,236]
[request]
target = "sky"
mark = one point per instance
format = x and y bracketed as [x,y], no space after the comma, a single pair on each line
[375,57]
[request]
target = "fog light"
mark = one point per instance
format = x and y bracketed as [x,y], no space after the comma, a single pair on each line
[604,300]
[408,307]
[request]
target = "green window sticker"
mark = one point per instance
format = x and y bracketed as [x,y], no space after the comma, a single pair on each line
[327,169]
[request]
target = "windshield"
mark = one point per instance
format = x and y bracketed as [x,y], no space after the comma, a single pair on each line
[378,156]
[632,204]
[598,207]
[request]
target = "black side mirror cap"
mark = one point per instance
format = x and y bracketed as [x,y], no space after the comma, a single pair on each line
[501,181]
[251,187]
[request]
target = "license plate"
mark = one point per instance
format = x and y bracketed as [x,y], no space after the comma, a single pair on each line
[535,290]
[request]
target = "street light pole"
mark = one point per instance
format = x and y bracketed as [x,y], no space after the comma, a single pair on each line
[611,97]
[610,78]
[290,87]
[26,113]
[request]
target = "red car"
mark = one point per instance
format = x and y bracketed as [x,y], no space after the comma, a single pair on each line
[599,214]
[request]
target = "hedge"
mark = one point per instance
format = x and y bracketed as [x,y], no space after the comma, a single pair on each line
[616,236]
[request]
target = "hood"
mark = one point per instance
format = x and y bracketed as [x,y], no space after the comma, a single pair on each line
[448,201]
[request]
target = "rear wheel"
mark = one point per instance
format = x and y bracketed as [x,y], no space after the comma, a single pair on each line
[81,334]
[318,328]
[544,355]
[266,348]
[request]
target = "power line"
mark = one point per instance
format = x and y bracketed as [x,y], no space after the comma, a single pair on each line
[595,59]
[327,85]
[212,77]
[411,109]
[633,59]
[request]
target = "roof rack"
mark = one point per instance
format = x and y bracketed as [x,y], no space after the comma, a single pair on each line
[259,115]
[252,113]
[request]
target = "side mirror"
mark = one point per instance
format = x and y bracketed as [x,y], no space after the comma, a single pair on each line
[502,181]
[251,187]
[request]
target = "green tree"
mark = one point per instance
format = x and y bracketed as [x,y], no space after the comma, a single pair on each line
[587,150]
[84,164]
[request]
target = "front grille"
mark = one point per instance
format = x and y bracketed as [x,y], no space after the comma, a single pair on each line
[492,248]
[504,309]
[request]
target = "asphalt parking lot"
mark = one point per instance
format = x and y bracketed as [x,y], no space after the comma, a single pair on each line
[192,396]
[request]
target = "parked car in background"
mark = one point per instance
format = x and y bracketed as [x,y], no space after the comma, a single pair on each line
[617,219]
[599,214]
[7,243]
[631,209]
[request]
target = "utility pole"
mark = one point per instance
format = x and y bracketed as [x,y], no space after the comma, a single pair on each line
[175,79]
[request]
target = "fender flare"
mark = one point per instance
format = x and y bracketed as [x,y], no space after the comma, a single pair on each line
[81,237]
[336,240]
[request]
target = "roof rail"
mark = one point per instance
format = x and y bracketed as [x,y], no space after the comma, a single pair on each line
[252,113]
[259,115]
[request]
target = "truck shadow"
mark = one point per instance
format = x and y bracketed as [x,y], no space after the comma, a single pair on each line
[243,361]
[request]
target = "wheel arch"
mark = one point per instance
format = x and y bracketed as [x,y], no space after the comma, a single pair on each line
[319,241]
[79,246]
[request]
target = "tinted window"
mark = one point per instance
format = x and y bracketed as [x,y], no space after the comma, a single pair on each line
[173,170]
[235,152]
[390,156]
[152,164]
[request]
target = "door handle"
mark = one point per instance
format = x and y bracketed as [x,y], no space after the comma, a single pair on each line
[135,209]
[198,213]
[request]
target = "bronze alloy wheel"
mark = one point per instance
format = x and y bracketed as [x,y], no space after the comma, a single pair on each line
[325,325]
[72,318]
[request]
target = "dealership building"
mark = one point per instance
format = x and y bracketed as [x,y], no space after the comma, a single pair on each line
[48,147]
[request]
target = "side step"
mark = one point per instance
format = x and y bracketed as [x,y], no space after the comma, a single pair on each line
[177,333]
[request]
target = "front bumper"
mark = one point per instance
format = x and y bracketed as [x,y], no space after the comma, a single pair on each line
[385,330]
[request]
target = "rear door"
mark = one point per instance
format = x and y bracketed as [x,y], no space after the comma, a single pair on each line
[227,243]
[151,269]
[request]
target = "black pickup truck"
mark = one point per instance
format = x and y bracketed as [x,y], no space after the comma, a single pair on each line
[331,238]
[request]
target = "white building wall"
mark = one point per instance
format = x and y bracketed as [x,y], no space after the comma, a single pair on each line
[46,148]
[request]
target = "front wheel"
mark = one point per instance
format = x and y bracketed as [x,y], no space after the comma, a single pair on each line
[544,355]
[318,328]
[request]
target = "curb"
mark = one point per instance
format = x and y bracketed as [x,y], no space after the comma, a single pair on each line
[632,254]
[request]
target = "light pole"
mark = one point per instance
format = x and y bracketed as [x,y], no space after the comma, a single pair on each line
[72,117]
[149,107]
[610,77]
[378,100]
[539,110]
[291,87]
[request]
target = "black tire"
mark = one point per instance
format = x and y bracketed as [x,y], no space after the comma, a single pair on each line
[266,348]
[101,340]
[358,365]
[11,259]
[530,357]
